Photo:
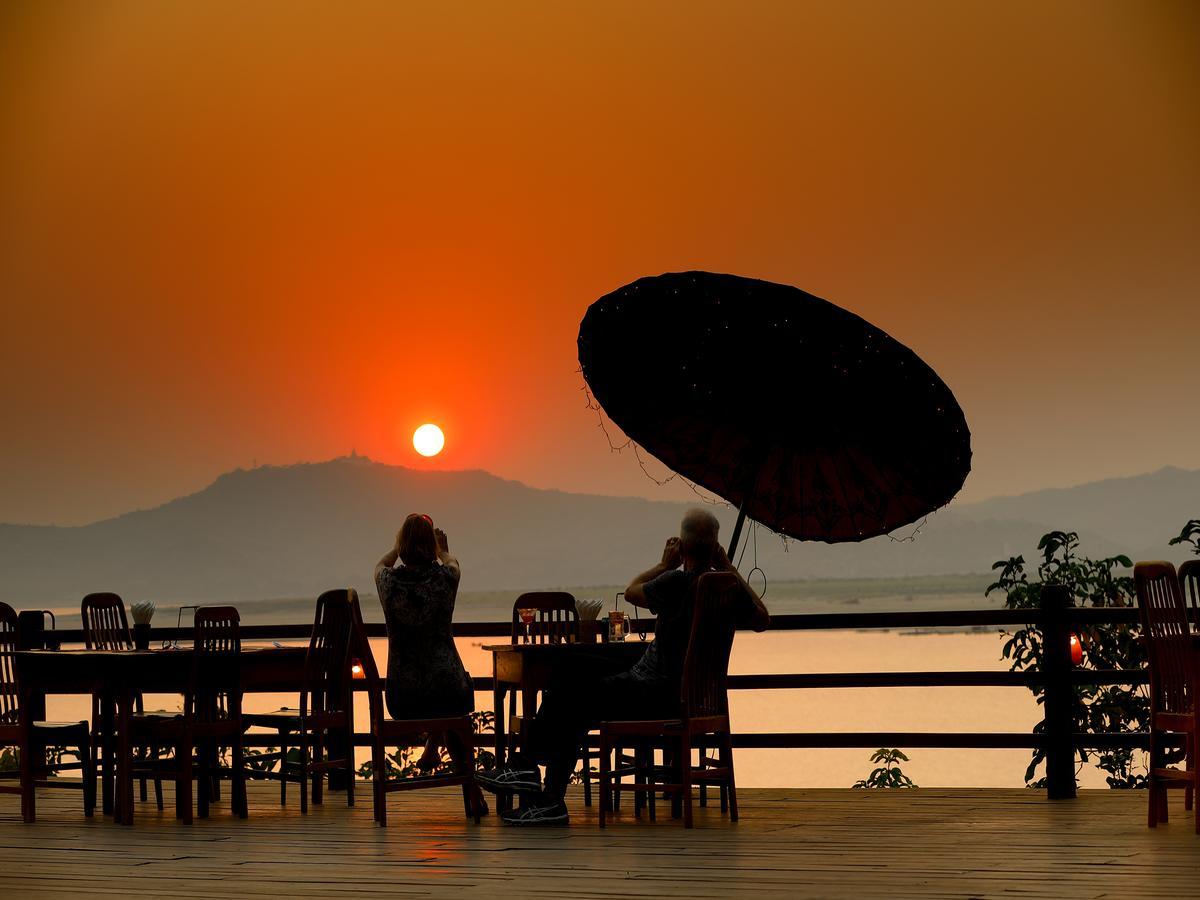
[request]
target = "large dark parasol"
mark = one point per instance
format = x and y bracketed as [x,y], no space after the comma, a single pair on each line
[807,418]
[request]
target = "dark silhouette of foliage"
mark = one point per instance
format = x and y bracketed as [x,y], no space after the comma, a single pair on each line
[887,773]
[402,762]
[1112,708]
[1189,535]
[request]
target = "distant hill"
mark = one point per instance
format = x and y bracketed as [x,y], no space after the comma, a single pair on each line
[1138,514]
[291,531]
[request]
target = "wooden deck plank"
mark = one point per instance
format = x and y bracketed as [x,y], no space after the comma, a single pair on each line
[798,843]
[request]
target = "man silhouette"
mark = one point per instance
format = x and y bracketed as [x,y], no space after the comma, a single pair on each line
[648,690]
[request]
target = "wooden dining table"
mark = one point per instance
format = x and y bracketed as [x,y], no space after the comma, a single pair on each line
[118,675]
[530,668]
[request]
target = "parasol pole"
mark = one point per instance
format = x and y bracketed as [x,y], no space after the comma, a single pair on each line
[737,528]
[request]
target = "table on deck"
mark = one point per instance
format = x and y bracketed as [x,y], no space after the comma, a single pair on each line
[529,668]
[118,675]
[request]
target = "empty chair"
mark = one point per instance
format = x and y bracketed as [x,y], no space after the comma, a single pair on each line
[106,628]
[704,707]
[387,732]
[554,618]
[32,738]
[211,717]
[1174,681]
[324,712]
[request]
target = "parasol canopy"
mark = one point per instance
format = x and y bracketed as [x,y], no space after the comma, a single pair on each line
[806,417]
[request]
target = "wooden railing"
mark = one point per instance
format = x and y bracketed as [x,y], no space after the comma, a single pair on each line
[1056,620]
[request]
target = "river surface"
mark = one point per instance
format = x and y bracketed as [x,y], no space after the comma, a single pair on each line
[836,709]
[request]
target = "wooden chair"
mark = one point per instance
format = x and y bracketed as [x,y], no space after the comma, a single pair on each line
[704,705]
[387,732]
[1174,681]
[106,628]
[325,707]
[31,738]
[556,622]
[211,718]
[1189,582]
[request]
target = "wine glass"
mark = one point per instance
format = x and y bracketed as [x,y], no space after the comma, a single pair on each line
[527,614]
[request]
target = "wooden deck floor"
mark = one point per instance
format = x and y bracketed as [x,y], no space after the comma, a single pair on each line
[797,843]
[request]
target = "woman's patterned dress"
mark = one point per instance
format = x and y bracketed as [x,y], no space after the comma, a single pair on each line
[425,675]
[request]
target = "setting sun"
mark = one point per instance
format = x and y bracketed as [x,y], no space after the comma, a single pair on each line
[428,440]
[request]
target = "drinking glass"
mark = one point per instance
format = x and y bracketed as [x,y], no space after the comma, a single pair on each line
[527,615]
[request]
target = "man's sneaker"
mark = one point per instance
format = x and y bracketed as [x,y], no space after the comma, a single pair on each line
[539,813]
[510,779]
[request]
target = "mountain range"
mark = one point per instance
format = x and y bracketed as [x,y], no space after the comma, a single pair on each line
[292,531]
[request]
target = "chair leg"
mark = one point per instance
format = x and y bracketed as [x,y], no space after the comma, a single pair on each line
[685,777]
[676,797]
[303,773]
[283,752]
[88,758]
[616,795]
[350,765]
[203,782]
[28,804]
[651,795]
[183,782]
[605,777]
[730,788]
[586,774]
[1189,765]
[639,777]
[238,777]
[1151,780]
[155,755]
[378,779]
[318,778]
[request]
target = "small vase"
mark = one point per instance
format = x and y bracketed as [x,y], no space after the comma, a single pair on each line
[141,635]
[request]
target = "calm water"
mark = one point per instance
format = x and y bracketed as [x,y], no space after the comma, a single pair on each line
[868,709]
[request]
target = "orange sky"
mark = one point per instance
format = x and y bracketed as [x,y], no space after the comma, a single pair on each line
[277,231]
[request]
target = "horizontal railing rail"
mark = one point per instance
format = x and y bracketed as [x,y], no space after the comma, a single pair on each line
[834,740]
[963,618]
[1057,677]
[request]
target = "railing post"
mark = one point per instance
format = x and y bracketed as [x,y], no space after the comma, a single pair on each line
[1060,693]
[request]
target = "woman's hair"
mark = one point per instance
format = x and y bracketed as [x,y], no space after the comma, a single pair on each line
[418,546]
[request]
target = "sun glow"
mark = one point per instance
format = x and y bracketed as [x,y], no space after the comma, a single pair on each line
[428,440]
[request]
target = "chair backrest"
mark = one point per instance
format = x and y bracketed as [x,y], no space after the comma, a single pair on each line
[9,698]
[104,624]
[216,669]
[327,663]
[718,598]
[1167,635]
[1189,581]
[556,620]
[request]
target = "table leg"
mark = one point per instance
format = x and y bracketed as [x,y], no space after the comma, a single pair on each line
[124,759]
[503,801]
[105,708]
[500,726]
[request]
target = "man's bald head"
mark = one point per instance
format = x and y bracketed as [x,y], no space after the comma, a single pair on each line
[698,537]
